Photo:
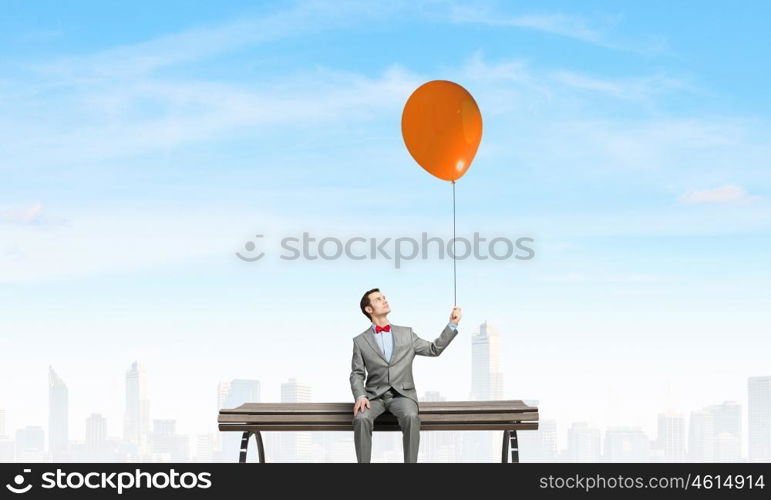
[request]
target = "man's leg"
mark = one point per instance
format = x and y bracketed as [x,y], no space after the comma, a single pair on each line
[363,423]
[406,412]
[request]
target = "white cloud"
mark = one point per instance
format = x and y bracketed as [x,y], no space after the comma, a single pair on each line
[594,31]
[125,120]
[99,240]
[559,24]
[569,26]
[509,77]
[722,194]
[145,57]
[28,215]
[626,88]
[603,277]
[121,117]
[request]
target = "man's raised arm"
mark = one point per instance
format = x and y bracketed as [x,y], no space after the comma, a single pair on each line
[435,348]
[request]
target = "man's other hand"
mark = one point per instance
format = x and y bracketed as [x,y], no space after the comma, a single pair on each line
[360,404]
[456,315]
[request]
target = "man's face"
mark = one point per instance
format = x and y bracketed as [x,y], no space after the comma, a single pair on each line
[378,305]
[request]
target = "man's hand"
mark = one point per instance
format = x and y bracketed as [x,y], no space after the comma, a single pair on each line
[456,315]
[360,404]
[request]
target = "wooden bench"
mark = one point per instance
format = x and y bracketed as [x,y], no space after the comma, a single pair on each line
[508,416]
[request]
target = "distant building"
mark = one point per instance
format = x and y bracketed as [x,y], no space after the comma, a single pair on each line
[7,450]
[626,444]
[58,416]
[583,443]
[30,444]
[7,447]
[223,389]
[436,446]
[486,385]
[538,445]
[295,446]
[166,444]
[96,432]
[204,448]
[701,437]
[242,391]
[2,423]
[728,431]
[486,375]
[136,423]
[670,438]
[714,433]
[239,391]
[759,419]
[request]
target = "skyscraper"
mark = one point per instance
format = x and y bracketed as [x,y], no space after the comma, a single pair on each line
[728,431]
[486,385]
[701,437]
[486,375]
[715,433]
[671,436]
[223,388]
[58,415]
[136,424]
[295,446]
[242,391]
[759,419]
[96,431]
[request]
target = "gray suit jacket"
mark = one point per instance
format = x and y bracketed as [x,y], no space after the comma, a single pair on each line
[396,372]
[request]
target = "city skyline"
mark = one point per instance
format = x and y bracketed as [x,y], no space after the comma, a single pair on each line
[714,433]
[586,442]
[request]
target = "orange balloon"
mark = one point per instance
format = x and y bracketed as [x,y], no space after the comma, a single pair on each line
[442,127]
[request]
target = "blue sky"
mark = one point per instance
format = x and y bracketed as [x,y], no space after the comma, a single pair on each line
[142,147]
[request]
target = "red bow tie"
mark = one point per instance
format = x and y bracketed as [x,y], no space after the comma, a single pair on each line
[379,329]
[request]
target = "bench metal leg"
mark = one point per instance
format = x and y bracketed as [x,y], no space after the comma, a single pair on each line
[510,444]
[245,446]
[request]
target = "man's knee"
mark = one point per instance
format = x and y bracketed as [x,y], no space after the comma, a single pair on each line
[410,417]
[362,418]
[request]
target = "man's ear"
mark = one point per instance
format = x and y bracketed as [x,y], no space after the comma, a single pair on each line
[369,309]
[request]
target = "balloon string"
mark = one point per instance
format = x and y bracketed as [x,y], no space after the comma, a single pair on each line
[454,273]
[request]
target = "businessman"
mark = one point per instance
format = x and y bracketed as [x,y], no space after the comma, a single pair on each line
[385,353]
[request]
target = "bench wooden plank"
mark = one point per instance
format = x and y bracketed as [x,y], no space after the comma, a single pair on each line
[487,426]
[424,407]
[348,417]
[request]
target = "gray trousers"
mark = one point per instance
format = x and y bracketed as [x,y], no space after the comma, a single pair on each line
[406,412]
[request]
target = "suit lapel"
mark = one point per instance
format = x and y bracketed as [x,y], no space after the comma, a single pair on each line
[370,336]
[397,334]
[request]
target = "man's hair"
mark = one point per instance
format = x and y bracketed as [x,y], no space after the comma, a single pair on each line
[365,302]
